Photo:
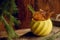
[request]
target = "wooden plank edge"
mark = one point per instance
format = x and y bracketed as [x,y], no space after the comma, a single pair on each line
[19,32]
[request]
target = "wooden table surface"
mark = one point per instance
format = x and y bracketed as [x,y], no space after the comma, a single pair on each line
[31,36]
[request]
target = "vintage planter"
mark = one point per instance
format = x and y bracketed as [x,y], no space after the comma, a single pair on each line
[41,28]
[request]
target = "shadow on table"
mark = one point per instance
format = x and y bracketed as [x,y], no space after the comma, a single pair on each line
[29,34]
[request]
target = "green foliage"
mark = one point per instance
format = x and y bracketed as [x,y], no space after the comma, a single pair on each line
[7,8]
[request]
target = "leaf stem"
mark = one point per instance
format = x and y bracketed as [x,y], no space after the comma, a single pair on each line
[31,9]
[10,31]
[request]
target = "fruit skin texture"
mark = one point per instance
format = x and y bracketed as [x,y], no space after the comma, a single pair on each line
[41,28]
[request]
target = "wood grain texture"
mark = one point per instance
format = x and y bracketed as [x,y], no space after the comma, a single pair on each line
[25,15]
[19,32]
[30,36]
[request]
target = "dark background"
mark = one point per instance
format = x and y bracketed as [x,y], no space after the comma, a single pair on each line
[25,15]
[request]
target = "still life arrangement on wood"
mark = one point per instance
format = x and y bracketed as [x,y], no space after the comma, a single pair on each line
[40,22]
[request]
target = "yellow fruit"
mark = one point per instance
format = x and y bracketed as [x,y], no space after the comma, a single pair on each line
[41,28]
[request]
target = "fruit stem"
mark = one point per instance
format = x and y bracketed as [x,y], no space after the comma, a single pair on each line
[31,9]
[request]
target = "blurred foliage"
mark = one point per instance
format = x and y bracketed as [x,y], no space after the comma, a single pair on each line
[7,8]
